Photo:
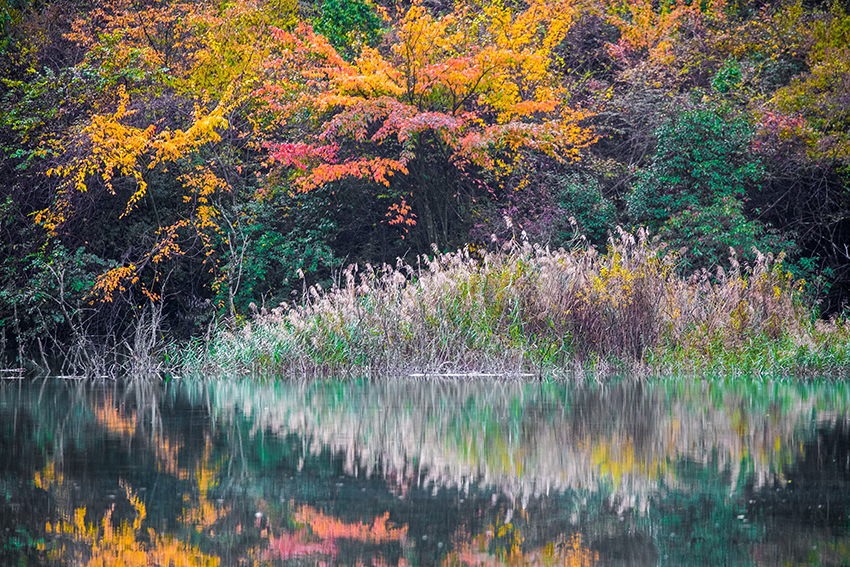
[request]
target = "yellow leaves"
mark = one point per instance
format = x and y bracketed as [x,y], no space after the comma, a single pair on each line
[122,545]
[477,81]
[371,76]
[539,28]
[171,146]
[497,58]
[614,283]
[115,280]
[421,39]
[230,43]
[204,183]
[115,150]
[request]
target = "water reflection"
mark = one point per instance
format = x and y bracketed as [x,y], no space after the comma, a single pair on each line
[424,473]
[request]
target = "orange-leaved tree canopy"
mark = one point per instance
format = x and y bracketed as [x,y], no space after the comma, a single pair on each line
[469,91]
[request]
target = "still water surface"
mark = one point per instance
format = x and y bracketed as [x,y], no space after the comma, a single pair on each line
[424,473]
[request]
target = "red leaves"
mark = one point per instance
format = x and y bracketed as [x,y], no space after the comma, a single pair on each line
[301,155]
[378,170]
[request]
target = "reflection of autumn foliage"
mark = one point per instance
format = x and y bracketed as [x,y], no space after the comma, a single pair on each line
[166,451]
[204,514]
[70,538]
[48,477]
[290,545]
[328,529]
[120,545]
[568,552]
[110,418]
[463,432]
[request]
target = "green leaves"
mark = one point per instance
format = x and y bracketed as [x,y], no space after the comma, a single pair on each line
[695,186]
[349,25]
[700,157]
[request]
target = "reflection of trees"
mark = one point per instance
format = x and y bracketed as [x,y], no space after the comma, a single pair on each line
[813,492]
[321,532]
[475,551]
[106,544]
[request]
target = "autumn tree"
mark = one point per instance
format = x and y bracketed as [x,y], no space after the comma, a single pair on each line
[452,96]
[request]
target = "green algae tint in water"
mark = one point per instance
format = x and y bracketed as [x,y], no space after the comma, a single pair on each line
[424,473]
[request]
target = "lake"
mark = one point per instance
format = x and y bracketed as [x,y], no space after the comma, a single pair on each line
[428,472]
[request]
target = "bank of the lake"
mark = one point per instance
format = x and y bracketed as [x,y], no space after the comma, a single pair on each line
[533,312]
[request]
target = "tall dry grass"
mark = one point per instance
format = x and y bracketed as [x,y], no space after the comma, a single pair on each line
[530,310]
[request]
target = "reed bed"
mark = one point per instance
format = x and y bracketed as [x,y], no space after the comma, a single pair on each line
[527,310]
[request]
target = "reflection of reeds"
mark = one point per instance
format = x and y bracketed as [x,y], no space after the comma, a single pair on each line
[529,309]
[527,440]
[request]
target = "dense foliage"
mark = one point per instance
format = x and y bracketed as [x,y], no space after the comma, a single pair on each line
[176,162]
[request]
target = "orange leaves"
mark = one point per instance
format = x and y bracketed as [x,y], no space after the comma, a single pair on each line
[376,169]
[563,139]
[371,76]
[401,215]
[447,77]
[456,89]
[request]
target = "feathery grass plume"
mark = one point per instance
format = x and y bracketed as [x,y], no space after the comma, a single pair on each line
[530,310]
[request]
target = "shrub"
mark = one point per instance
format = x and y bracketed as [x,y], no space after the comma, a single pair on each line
[696,185]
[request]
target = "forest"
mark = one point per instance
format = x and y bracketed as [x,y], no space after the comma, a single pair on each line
[173,172]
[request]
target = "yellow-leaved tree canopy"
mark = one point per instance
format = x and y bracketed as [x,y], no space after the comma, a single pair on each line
[173,79]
